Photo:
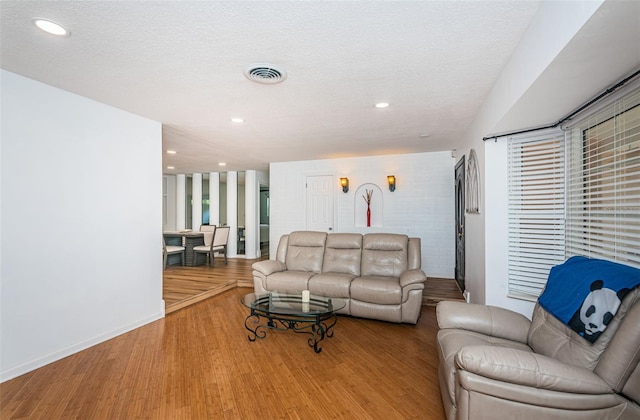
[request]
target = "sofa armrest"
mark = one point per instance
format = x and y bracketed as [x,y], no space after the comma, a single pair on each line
[412,277]
[489,320]
[529,369]
[268,267]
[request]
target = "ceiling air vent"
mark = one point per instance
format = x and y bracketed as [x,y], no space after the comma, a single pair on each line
[265,73]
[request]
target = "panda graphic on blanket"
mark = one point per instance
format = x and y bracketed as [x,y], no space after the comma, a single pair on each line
[597,310]
[586,293]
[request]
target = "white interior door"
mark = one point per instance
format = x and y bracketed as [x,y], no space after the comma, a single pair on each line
[320,203]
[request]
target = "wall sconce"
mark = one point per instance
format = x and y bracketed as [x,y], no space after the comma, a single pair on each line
[345,184]
[392,182]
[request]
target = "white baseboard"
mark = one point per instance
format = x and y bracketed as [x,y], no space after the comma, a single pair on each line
[11,373]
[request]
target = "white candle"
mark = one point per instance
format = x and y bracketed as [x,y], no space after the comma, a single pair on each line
[305,296]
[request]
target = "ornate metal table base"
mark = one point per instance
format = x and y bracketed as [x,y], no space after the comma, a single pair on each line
[317,327]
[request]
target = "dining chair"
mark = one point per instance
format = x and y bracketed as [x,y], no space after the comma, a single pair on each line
[220,240]
[209,232]
[170,250]
[216,242]
[207,228]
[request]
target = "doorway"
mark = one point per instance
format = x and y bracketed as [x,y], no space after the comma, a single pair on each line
[459,195]
[264,220]
[319,202]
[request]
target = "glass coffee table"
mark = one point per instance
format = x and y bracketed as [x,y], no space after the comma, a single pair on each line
[280,311]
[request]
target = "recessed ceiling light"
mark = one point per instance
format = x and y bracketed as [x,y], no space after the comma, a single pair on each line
[51,27]
[222,164]
[171,167]
[382,105]
[171,152]
[237,120]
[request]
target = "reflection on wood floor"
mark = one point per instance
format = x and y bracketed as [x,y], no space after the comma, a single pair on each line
[184,286]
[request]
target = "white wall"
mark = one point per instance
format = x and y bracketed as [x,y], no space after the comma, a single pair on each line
[81,223]
[551,30]
[421,206]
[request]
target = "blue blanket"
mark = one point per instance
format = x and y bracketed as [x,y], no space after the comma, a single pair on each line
[585,293]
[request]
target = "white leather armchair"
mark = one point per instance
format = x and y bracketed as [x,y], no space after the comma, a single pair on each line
[495,363]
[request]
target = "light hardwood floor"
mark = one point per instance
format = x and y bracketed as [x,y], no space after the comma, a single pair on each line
[184,286]
[197,363]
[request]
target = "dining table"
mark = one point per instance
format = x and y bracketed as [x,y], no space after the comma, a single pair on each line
[188,239]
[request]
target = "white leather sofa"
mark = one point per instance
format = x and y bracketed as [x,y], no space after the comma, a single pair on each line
[378,274]
[497,364]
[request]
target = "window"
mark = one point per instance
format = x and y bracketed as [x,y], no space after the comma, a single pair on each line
[536,210]
[600,215]
[603,185]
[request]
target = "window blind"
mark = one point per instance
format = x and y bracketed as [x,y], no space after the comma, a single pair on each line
[603,183]
[536,214]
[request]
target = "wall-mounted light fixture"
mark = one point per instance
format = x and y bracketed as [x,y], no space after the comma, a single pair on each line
[345,184]
[392,182]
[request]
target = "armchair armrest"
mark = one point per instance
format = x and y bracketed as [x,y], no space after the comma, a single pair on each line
[412,277]
[268,267]
[489,320]
[529,369]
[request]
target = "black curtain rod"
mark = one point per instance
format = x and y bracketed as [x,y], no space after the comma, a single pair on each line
[572,114]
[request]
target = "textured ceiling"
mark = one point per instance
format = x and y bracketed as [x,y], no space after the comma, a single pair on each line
[181,63]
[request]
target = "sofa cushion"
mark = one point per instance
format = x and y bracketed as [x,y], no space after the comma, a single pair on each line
[484,319]
[331,285]
[289,281]
[384,254]
[343,253]
[305,251]
[620,361]
[450,341]
[553,338]
[377,289]
[529,369]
